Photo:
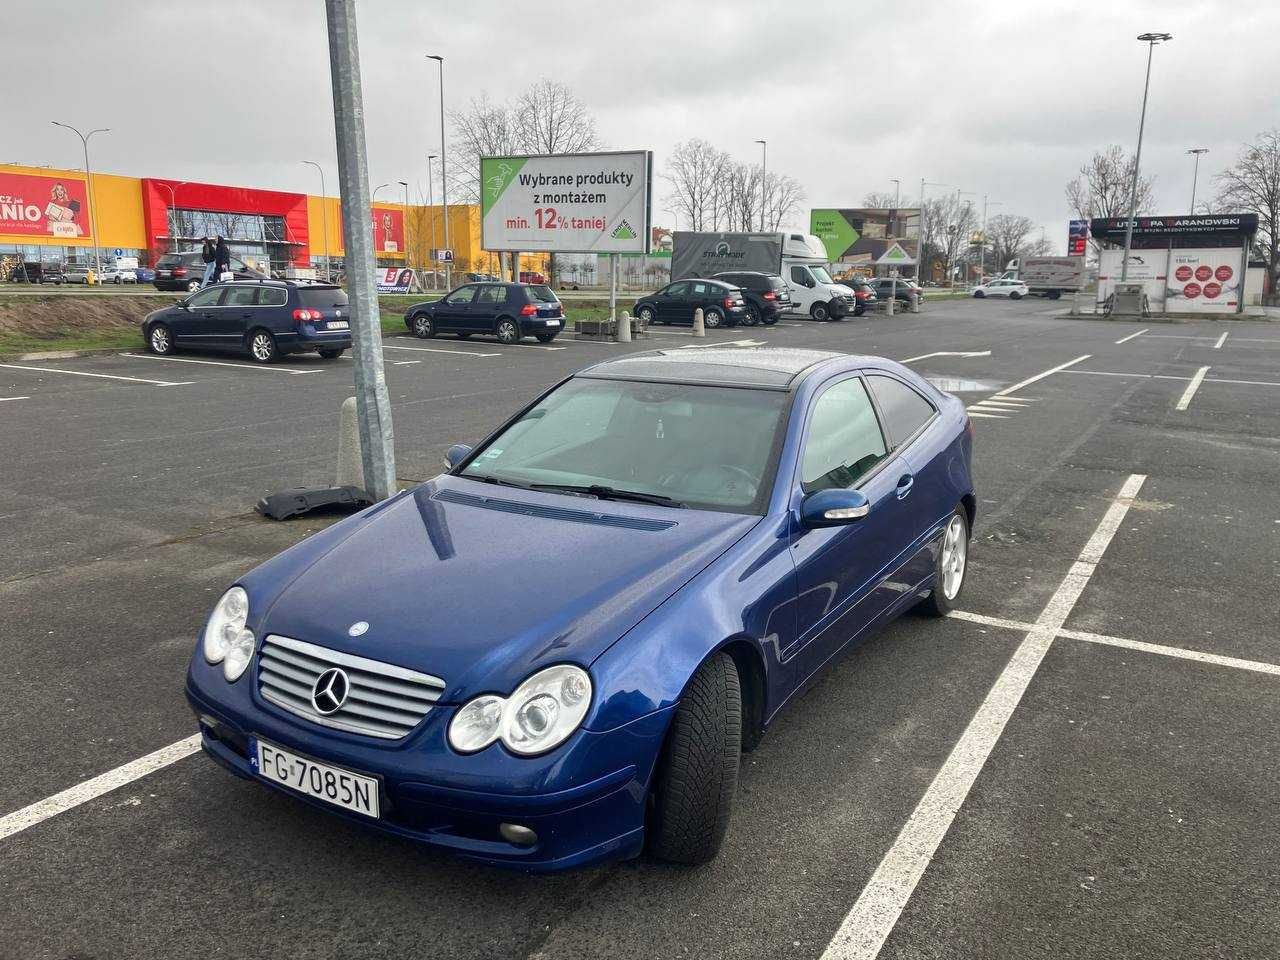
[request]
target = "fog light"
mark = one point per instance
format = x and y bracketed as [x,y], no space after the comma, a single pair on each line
[520,836]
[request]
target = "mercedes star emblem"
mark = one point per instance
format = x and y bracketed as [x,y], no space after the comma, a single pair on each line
[330,691]
[358,628]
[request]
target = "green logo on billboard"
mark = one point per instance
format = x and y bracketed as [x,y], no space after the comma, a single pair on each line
[624,231]
[496,174]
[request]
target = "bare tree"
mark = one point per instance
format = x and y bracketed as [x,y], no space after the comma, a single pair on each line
[482,129]
[1252,184]
[1103,187]
[879,200]
[551,118]
[949,223]
[1007,235]
[695,173]
[785,197]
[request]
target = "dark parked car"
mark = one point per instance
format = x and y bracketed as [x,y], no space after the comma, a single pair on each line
[554,654]
[145,274]
[184,271]
[532,276]
[766,295]
[884,288]
[864,294]
[267,318]
[509,311]
[34,272]
[722,304]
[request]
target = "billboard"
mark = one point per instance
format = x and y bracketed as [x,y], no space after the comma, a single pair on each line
[706,254]
[1187,280]
[34,206]
[572,203]
[388,230]
[1077,237]
[864,235]
[393,279]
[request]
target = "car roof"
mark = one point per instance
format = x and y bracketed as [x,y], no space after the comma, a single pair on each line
[772,369]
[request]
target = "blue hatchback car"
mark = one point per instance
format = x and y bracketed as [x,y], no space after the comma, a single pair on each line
[554,653]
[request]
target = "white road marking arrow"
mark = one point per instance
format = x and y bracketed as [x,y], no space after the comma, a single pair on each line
[948,353]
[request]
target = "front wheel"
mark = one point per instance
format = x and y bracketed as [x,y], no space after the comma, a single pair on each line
[820,311]
[697,774]
[507,331]
[423,327]
[752,318]
[160,339]
[949,569]
[646,316]
[262,347]
[1015,296]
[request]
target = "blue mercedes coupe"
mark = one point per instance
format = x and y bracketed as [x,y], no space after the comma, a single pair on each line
[555,653]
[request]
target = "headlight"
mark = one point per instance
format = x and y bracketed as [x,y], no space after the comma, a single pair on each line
[226,640]
[541,713]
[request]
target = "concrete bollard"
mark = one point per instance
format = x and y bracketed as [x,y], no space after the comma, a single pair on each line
[892,305]
[699,328]
[350,465]
[624,327]
[915,301]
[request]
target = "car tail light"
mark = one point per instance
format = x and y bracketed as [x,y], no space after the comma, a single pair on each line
[179,271]
[769,295]
[728,302]
[529,310]
[862,294]
[304,315]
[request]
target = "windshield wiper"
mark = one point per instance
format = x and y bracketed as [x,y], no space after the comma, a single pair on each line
[499,481]
[602,492]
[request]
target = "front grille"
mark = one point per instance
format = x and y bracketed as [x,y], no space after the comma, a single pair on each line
[383,700]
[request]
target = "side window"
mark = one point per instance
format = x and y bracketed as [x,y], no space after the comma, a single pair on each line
[800,275]
[844,440]
[206,298]
[492,293]
[462,295]
[240,297]
[272,296]
[678,290]
[702,290]
[905,411]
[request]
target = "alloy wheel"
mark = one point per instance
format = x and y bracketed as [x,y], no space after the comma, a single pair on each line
[955,550]
[261,347]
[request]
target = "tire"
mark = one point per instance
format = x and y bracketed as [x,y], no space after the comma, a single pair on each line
[1015,296]
[859,310]
[752,319]
[262,346]
[950,567]
[978,294]
[423,327]
[545,337]
[769,322]
[1055,294]
[692,796]
[193,286]
[160,339]
[332,354]
[646,316]
[712,318]
[507,331]
[820,311]
[116,281]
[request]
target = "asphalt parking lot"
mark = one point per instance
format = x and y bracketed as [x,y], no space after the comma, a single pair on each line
[1081,763]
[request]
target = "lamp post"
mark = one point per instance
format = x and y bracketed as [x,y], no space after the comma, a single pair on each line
[381,186]
[1195,175]
[173,217]
[405,184]
[324,215]
[920,260]
[444,173]
[764,178]
[88,182]
[1150,39]
[431,202]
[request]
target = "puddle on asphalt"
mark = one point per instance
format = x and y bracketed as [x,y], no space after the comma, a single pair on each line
[960,385]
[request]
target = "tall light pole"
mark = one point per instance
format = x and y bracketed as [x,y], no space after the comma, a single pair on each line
[1195,175]
[381,186]
[897,191]
[444,173]
[1150,39]
[920,258]
[88,182]
[764,178]
[324,214]
[405,184]
[173,218]
[431,202]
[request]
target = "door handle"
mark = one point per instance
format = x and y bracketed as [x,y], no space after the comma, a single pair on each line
[905,483]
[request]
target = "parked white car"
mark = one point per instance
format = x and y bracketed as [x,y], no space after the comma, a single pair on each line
[117,275]
[1013,289]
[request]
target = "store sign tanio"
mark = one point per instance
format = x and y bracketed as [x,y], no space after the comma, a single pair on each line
[574,203]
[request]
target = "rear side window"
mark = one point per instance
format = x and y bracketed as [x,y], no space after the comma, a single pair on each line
[777,283]
[492,294]
[905,411]
[240,297]
[322,298]
[273,297]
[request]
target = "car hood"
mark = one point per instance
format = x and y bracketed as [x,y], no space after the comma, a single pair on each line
[481,585]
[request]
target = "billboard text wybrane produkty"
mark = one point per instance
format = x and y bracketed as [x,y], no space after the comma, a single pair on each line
[605,178]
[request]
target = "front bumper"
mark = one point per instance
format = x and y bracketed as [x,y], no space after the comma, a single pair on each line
[585,800]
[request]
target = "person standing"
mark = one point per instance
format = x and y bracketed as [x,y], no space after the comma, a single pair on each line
[222,257]
[210,256]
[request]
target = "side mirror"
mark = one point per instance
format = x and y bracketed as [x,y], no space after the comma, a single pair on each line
[455,455]
[833,508]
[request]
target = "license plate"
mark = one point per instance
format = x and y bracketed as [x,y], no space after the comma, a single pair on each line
[338,325]
[162,273]
[342,788]
[553,323]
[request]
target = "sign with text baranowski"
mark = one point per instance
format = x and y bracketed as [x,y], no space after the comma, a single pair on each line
[571,203]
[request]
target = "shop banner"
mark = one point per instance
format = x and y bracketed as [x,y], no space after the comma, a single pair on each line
[573,203]
[1205,281]
[34,206]
[394,280]
[388,230]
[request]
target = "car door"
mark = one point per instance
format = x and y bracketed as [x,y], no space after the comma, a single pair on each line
[195,324]
[799,285]
[233,316]
[490,300]
[843,572]
[451,314]
[670,303]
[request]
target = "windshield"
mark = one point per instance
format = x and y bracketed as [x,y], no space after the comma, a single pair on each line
[820,274]
[711,448]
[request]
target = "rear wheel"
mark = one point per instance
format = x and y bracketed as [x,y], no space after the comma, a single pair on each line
[978,294]
[697,774]
[507,331]
[160,339]
[950,567]
[262,347]
[820,311]
[1015,296]
[423,327]
[712,318]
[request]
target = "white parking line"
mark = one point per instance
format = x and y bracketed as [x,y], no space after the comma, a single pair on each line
[1040,376]
[1221,340]
[1185,400]
[1168,376]
[42,810]
[1132,335]
[3,399]
[985,416]
[403,363]
[271,368]
[100,376]
[460,353]
[877,910]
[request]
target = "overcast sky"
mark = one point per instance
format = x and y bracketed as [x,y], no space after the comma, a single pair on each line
[1005,100]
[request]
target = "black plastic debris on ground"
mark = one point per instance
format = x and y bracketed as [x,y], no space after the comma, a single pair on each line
[298,500]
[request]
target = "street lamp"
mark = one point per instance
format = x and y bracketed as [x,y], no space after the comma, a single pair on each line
[444,173]
[764,177]
[381,186]
[1195,174]
[405,184]
[431,202]
[324,213]
[1150,39]
[88,181]
[173,213]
